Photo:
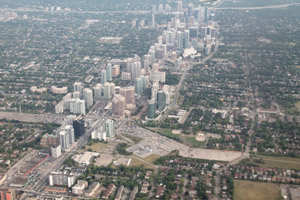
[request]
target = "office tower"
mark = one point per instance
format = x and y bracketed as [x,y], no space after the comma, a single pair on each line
[135,70]
[107,91]
[179,6]
[154,90]
[109,72]
[138,84]
[109,128]
[152,108]
[206,14]
[67,136]
[78,86]
[98,91]
[78,124]
[161,100]
[118,106]
[56,151]
[153,21]
[115,71]
[77,106]
[112,87]
[179,40]
[146,62]
[203,32]
[166,90]
[186,39]
[129,94]
[88,97]
[129,64]
[190,9]
[213,32]
[103,77]
[194,32]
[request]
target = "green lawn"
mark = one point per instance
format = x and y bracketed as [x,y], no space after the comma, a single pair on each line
[247,190]
[168,133]
[191,141]
[276,161]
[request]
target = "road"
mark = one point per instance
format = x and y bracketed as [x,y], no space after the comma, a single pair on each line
[40,185]
[257,8]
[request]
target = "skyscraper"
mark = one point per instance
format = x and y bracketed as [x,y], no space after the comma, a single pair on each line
[146,62]
[77,106]
[179,40]
[109,128]
[161,100]
[88,97]
[152,108]
[109,72]
[98,91]
[153,21]
[66,136]
[138,86]
[129,94]
[78,124]
[78,86]
[154,90]
[103,77]
[186,39]
[107,91]
[118,106]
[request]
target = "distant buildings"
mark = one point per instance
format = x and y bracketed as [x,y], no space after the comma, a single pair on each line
[78,87]
[39,90]
[98,91]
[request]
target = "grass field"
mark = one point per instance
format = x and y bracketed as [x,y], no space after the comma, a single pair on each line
[97,147]
[247,190]
[133,138]
[168,133]
[297,104]
[149,159]
[275,161]
[191,141]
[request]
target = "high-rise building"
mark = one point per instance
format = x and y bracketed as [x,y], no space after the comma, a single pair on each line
[98,91]
[115,70]
[76,95]
[62,177]
[186,38]
[158,76]
[109,72]
[190,9]
[78,86]
[179,6]
[154,90]
[109,128]
[153,20]
[66,136]
[77,106]
[152,108]
[107,91]
[129,94]
[179,40]
[138,84]
[166,90]
[99,134]
[194,32]
[125,76]
[78,124]
[103,77]
[56,151]
[161,100]
[118,106]
[135,70]
[146,62]
[88,97]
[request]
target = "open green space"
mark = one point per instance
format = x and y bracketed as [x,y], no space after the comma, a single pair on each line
[247,190]
[168,133]
[96,147]
[191,141]
[274,161]
[150,159]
